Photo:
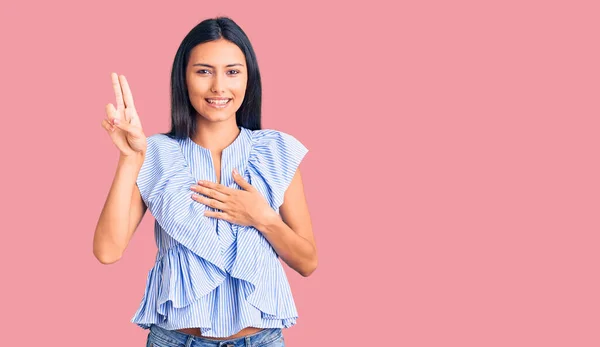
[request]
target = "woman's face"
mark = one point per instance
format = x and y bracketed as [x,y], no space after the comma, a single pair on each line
[216,71]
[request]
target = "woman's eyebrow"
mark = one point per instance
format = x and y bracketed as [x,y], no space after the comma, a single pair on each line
[230,65]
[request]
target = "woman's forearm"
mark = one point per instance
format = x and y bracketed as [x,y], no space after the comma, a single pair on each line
[112,230]
[295,250]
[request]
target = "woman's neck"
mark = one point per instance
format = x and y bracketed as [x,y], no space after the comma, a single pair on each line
[216,136]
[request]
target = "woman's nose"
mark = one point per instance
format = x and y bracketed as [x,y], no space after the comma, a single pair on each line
[217,86]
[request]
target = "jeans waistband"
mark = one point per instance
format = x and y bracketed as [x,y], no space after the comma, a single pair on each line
[182,339]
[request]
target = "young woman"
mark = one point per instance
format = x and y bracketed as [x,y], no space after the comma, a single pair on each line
[227,197]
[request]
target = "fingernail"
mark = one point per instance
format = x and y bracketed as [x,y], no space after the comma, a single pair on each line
[235,171]
[116,121]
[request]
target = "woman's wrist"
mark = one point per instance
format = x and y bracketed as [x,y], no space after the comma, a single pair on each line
[268,221]
[136,159]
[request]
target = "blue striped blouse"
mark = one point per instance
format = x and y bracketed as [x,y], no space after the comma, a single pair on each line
[209,273]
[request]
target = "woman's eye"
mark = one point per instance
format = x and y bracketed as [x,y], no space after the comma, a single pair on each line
[233,72]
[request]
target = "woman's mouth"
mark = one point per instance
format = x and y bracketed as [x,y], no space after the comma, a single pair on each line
[218,103]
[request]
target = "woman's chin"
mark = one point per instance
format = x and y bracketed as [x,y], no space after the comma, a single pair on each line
[216,116]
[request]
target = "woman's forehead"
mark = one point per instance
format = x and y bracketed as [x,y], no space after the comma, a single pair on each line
[217,53]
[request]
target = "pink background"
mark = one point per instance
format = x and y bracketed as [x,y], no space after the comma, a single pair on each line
[452,175]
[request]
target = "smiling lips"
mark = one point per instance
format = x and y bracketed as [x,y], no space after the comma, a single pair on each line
[218,102]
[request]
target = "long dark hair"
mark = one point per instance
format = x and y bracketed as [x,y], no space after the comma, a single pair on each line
[183,120]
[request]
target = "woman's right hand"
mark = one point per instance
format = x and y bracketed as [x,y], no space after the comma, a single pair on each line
[123,124]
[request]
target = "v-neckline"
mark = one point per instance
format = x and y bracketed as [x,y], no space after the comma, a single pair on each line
[232,146]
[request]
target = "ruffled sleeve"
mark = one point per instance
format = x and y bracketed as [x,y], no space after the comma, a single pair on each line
[164,182]
[273,162]
[155,170]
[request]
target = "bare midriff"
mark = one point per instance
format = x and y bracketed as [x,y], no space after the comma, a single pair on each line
[241,333]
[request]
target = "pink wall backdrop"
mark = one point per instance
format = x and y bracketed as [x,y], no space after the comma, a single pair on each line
[453,174]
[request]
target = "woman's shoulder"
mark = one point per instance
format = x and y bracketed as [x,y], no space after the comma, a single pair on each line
[161,150]
[160,139]
[269,140]
[275,157]
[272,136]
[161,143]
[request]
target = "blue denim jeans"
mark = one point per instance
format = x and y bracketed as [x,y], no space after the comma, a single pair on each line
[159,337]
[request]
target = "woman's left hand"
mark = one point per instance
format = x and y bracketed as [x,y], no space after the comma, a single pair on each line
[244,207]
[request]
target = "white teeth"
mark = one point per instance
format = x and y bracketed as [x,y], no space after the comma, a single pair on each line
[218,102]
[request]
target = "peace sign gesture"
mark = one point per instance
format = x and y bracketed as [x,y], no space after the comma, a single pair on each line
[123,124]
